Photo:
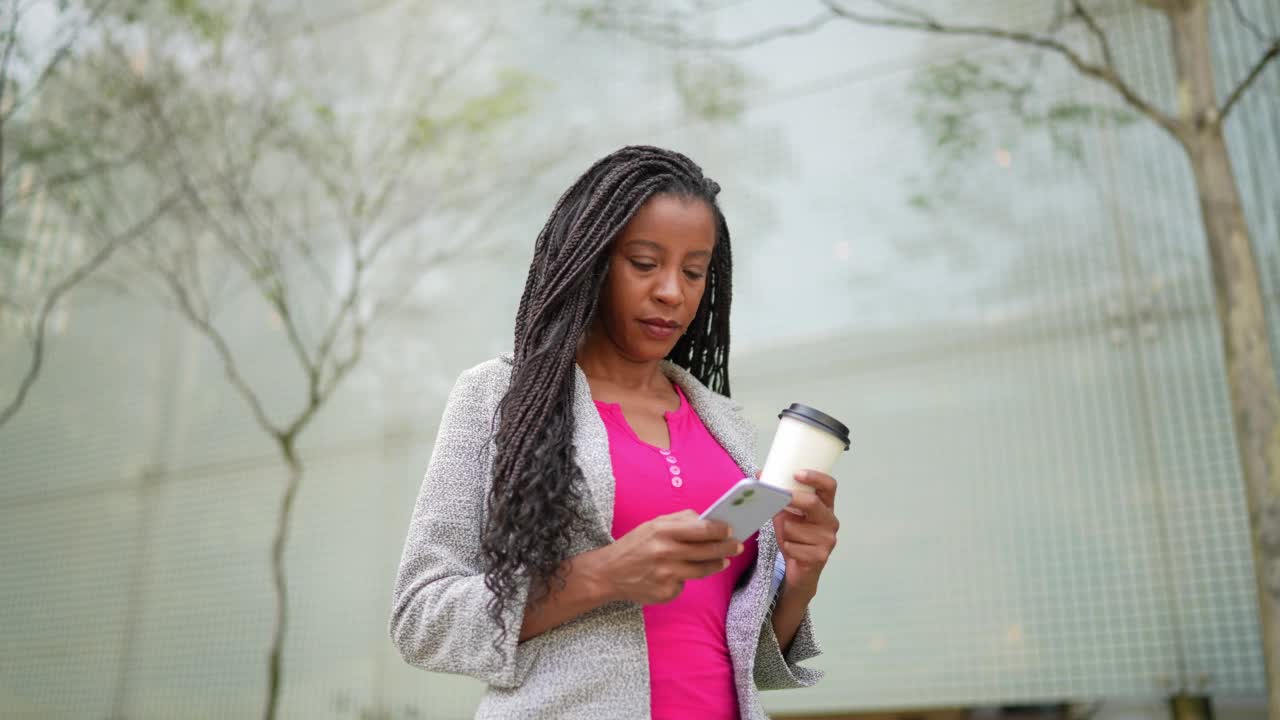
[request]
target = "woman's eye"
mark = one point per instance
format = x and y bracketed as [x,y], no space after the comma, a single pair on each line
[639,265]
[693,275]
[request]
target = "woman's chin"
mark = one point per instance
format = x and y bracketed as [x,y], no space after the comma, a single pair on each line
[646,350]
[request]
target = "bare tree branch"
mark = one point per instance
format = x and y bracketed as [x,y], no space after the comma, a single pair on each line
[340,316]
[188,259]
[1249,24]
[58,56]
[1104,44]
[10,42]
[205,326]
[99,147]
[338,19]
[805,28]
[1267,56]
[60,290]
[263,267]
[461,61]
[268,275]
[97,167]
[301,238]
[901,9]
[321,390]
[344,366]
[1103,74]
[393,301]
[480,226]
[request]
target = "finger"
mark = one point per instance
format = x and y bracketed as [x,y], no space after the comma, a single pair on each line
[807,554]
[806,534]
[821,482]
[703,552]
[812,509]
[697,530]
[679,590]
[695,570]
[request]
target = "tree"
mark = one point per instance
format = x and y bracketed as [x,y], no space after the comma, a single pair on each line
[49,168]
[315,180]
[1196,127]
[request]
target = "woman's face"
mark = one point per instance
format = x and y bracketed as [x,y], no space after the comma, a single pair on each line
[657,274]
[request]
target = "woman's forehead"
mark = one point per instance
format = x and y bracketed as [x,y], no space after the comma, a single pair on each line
[668,221]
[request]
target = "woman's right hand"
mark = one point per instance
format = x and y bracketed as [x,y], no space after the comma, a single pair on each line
[650,564]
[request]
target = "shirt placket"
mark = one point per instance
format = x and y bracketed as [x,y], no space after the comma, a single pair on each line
[673,469]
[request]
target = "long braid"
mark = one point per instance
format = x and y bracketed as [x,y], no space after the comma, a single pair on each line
[535,503]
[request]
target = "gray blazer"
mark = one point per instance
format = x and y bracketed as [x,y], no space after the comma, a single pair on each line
[595,666]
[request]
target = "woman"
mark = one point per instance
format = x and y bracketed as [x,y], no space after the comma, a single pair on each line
[560,557]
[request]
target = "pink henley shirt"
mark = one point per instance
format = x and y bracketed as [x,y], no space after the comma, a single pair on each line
[690,670]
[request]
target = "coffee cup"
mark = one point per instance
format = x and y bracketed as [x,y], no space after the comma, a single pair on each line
[806,439]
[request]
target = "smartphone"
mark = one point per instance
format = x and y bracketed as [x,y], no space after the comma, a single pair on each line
[747,506]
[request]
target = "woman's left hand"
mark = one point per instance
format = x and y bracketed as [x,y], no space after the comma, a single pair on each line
[806,531]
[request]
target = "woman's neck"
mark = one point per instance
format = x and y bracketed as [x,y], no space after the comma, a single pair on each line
[600,359]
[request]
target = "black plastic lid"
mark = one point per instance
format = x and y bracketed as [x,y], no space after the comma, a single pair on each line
[816,417]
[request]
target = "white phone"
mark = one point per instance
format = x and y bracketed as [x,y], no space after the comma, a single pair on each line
[747,506]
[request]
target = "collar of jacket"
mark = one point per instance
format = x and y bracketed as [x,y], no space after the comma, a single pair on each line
[722,417]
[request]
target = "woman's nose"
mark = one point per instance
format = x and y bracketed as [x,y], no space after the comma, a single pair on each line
[668,290]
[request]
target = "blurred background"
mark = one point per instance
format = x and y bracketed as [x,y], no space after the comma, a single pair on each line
[248,246]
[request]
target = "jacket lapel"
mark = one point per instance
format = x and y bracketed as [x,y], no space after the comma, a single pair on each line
[591,449]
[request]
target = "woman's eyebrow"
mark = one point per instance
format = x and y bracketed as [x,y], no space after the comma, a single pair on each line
[651,245]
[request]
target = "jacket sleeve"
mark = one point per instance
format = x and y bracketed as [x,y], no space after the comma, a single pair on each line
[440,617]
[776,671]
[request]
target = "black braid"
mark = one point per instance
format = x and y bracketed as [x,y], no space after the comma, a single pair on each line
[536,503]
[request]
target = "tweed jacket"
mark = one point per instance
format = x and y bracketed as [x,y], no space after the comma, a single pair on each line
[595,666]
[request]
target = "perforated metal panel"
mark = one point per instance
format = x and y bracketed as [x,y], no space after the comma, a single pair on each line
[1042,500]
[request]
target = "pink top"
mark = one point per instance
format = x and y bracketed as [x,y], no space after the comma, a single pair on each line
[690,670]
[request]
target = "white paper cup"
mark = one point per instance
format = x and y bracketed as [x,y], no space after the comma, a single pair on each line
[806,439]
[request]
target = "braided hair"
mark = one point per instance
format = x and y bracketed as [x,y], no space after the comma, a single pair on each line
[535,502]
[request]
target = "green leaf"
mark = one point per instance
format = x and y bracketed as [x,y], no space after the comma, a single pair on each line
[424,131]
[1068,142]
[589,16]
[512,98]
[714,89]
[920,201]
[213,26]
[478,115]
[1124,117]
[324,112]
[1070,112]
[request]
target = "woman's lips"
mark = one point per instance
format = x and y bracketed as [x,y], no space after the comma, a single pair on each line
[658,330]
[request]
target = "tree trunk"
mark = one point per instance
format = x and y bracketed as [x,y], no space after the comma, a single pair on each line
[274,664]
[1251,378]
